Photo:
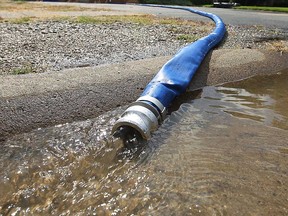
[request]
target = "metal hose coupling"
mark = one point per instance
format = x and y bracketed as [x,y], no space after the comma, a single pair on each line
[145,115]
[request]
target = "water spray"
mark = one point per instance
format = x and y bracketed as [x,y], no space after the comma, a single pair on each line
[148,112]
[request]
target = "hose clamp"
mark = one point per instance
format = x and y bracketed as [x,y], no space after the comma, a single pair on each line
[155,102]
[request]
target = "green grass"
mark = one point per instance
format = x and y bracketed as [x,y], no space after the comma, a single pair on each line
[187,37]
[274,9]
[23,70]
[167,2]
[139,19]
[208,5]
[113,19]
[22,20]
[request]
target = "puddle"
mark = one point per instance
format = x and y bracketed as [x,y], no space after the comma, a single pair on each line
[224,153]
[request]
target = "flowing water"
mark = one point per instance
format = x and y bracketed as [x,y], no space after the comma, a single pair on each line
[223,153]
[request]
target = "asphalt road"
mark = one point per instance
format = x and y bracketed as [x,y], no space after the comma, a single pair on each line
[229,16]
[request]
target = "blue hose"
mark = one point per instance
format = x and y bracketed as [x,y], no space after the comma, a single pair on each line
[171,81]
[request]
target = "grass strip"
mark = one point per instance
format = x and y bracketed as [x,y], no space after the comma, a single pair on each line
[273,9]
[139,19]
[107,19]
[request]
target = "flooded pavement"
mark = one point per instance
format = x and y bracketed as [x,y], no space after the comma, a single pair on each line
[222,153]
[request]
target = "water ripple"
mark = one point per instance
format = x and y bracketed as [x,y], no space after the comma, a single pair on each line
[224,153]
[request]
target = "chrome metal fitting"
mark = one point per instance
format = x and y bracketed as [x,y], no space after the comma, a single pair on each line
[142,116]
[157,103]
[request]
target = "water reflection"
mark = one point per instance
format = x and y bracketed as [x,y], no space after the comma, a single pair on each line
[244,104]
[225,153]
[272,92]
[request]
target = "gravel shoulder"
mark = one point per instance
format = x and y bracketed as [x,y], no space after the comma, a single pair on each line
[55,45]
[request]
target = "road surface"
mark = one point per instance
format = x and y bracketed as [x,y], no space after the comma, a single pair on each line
[229,16]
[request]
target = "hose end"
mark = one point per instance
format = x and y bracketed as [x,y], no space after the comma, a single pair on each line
[141,116]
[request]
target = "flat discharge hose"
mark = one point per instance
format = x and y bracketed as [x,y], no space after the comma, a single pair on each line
[146,114]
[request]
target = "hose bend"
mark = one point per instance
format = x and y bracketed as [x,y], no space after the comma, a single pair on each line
[148,112]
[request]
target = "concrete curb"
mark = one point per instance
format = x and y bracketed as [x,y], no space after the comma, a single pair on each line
[37,100]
